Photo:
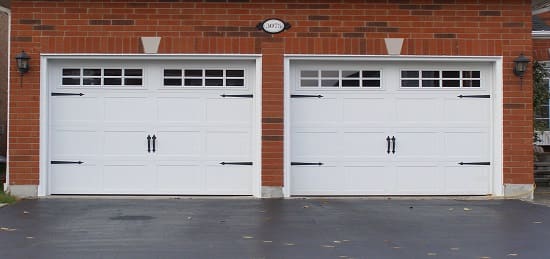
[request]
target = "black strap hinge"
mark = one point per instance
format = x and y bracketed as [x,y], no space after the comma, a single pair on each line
[474,163]
[236,163]
[475,96]
[305,163]
[305,96]
[237,95]
[55,162]
[67,94]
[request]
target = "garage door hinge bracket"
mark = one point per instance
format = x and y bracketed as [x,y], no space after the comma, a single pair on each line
[237,95]
[475,96]
[67,94]
[236,163]
[305,163]
[475,163]
[65,162]
[305,96]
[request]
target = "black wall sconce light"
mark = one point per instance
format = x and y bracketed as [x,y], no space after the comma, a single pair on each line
[520,66]
[22,64]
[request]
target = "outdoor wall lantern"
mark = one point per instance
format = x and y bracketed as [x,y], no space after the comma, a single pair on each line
[22,62]
[520,66]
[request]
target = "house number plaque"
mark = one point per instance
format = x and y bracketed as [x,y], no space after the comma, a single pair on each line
[273,26]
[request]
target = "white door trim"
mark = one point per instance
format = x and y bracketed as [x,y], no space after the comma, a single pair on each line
[496,92]
[44,103]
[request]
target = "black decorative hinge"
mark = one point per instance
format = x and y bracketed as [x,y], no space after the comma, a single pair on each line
[305,96]
[237,95]
[236,163]
[65,162]
[67,94]
[475,96]
[305,163]
[475,163]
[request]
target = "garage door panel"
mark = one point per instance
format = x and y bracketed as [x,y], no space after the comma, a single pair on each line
[228,144]
[315,110]
[467,144]
[75,179]
[127,179]
[328,180]
[75,143]
[364,144]
[125,143]
[181,109]
[127,109]
[369,180]
[177,179]
[64,110]
[361,110]
[461,180]
[419,144]
[467,110]
[232,110]
[186,143]
[229,179]
[418,179]
[315,144]
[418,110]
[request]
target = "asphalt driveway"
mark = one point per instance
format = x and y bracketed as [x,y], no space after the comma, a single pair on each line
[291,228]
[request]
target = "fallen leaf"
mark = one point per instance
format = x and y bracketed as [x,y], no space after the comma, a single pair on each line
[451,209]
[432,254]
[7,229]
[512,255]
[268,241]
[396,247]
[537,222]
[336,241]
[343,256]
[455,248]
[189,217]
[306,206]
[467,209]
[345,240]
[485,257]
[25,212]
[248,237]
[30,237]
[289,244]
[328,246]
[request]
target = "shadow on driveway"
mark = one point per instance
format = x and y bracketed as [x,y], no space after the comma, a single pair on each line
[291,228]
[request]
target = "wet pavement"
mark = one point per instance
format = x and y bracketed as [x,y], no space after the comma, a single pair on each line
[290,228]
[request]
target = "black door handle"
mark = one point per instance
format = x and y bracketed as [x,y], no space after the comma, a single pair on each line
[388,140]
[154,143]
[393,144]
[148,143]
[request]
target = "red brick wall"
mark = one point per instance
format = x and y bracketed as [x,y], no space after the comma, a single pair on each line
[430,27]
[4,19]
[540,49]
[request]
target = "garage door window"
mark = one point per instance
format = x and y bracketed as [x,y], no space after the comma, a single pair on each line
[440,78]
[97,77]
[204,78]
[340,78]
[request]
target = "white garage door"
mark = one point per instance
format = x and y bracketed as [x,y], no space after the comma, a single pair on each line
[393,128]
[151,127]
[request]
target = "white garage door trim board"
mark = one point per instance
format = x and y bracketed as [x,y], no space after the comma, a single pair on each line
[43,189]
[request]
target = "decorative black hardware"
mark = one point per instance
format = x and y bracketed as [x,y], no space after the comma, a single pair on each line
[388,140]
[304,163]
[393,144]
[154,138]
[148,143]
[475,96]
[65,162]
[237,95]
[67,94]
[236,163]
[475,163]
[305,96]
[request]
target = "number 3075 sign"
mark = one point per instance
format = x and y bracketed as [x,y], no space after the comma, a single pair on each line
[273,26]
